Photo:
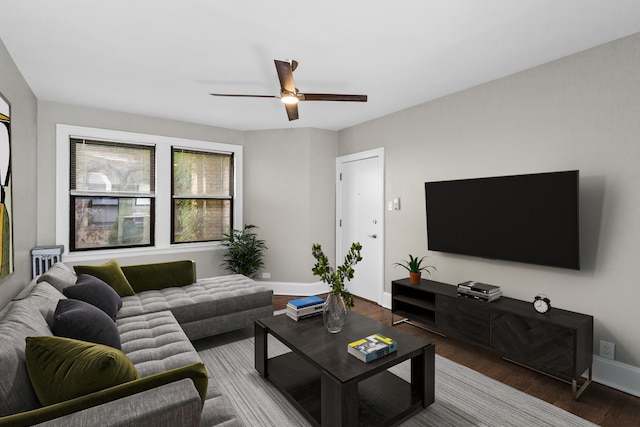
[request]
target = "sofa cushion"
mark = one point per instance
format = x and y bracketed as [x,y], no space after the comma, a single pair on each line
[96,292]
[111,273]
[197,372]
[159,275]
[59,276]
[155,343]
[24,292]
[210,297]
[82,321]
[20,319]
[61,368]
[45,297]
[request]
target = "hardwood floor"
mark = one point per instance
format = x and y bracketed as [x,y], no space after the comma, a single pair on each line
[599,404]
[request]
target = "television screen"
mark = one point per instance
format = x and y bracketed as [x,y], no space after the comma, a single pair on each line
[525,218]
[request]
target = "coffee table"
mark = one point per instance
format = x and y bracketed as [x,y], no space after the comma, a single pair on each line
[330,387]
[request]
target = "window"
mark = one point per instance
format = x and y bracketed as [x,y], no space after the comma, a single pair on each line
[202,198]
[111,193]
[141,206]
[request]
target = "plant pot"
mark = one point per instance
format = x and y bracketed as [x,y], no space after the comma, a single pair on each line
[414,278]
[334,313]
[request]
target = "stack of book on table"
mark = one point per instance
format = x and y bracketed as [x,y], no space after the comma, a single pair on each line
[481,291]
[304,307]
[372,347]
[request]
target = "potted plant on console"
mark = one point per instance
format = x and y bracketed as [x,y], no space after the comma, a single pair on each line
[339,299]
[415,268]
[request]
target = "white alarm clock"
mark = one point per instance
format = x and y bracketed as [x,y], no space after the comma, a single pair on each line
[542,304]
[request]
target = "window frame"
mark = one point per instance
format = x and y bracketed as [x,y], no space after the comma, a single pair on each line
[174,196]
[75,194]
[163,203]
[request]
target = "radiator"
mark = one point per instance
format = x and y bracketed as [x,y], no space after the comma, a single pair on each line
[43,257]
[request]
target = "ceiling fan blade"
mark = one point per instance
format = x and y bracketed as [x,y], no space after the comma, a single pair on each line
[332,97]
[244,96]
[292,111]
[285,74]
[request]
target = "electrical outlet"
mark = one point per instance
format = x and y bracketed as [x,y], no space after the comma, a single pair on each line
[607,350]
[266,275]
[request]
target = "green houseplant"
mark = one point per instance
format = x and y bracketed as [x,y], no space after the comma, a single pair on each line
[415,268]
[339,299]
[244,251]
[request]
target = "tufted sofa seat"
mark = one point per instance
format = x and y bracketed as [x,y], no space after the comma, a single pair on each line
[210,306]
[155,343]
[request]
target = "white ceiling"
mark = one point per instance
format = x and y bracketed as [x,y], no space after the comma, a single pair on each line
[163,57]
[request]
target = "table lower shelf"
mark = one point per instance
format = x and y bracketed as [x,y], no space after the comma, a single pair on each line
[384,399]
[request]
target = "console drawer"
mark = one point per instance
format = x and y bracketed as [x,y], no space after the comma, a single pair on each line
[464,318]
[534,341]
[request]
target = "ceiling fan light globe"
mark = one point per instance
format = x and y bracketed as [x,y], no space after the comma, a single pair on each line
[289,99]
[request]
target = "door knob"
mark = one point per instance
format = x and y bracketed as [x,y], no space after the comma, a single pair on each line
[373,236]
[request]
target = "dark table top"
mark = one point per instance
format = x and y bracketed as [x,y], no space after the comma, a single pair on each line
[310,339]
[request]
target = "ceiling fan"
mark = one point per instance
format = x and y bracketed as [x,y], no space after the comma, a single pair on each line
[290,95]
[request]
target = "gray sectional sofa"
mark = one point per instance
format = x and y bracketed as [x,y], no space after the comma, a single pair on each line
[154,323]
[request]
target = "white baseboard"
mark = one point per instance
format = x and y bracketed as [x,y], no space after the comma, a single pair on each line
[386,300]
[297,289]
[617,375]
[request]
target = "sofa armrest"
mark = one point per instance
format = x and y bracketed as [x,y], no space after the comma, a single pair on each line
[160,275]
[195,374]
[170,405]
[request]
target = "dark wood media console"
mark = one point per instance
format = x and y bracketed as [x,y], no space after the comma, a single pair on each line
[559,343]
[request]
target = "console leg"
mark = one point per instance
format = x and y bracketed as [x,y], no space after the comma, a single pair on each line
[402,320]
[577,391]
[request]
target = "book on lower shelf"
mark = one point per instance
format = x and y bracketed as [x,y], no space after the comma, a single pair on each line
[372,347]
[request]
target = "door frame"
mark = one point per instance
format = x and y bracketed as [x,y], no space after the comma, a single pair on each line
[374,153]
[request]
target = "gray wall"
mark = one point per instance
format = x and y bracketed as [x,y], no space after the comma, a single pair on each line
[23,129]
[581,112]
[290,195]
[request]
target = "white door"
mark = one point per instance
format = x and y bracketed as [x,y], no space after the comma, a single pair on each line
[360,217]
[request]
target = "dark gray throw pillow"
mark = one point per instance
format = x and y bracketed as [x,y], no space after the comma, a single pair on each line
[96,292]
[82,321]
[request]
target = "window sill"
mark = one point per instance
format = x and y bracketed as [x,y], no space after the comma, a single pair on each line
[83,256]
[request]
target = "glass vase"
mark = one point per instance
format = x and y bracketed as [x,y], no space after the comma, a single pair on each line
[334,313]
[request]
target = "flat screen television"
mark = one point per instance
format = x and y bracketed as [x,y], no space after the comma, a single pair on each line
[529,218]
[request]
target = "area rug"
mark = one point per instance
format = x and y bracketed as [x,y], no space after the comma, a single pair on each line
[463,396]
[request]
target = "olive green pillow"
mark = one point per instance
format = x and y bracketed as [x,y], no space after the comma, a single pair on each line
[160,275]
[63,368]
[111,273]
